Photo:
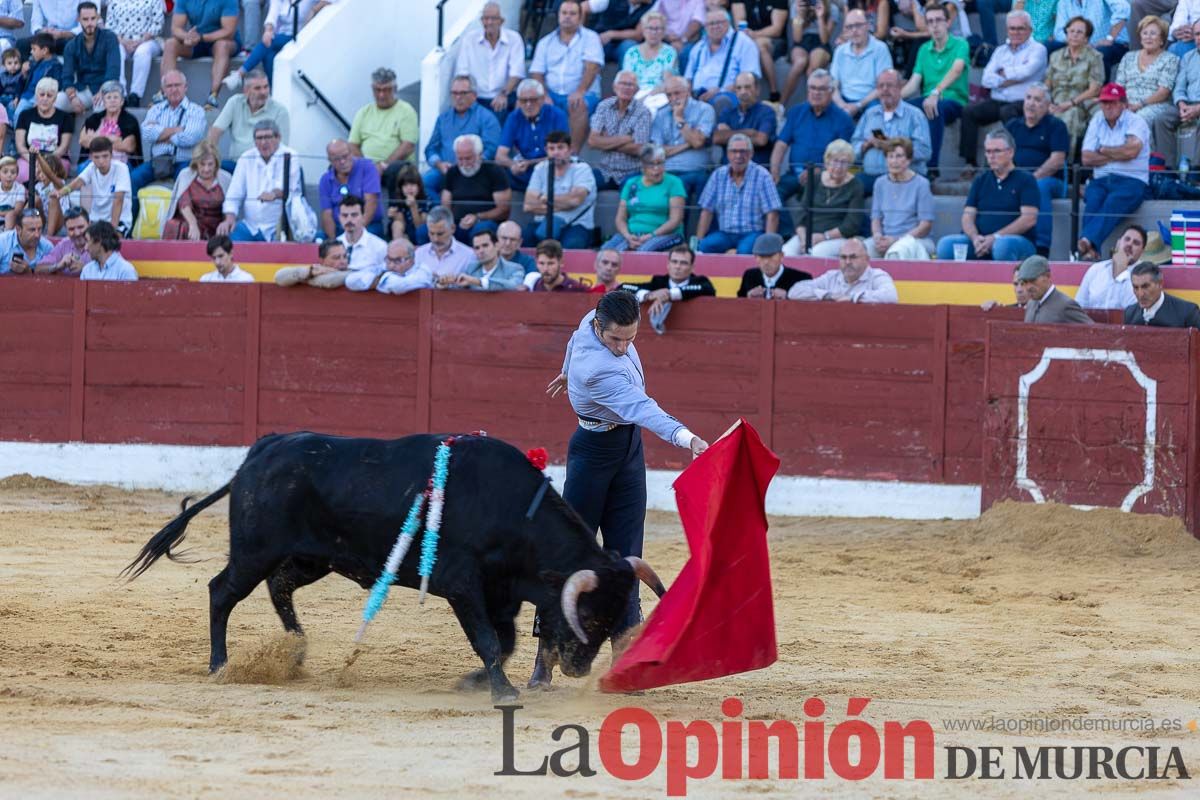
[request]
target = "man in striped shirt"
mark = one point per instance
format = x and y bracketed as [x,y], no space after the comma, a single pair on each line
[743,199]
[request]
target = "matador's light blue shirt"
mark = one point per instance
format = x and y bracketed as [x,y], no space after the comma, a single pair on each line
[611,388]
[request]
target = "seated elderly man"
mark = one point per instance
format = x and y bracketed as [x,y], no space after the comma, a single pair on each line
[769,278]
[683,128]
[495,57]
[488,272]
[856,281]
[620,129]
[477,191]
[1154,306]
[856,64]
[243,111]
[347,176]
[719,58]
[1177,128]
[510,237]
[750,117]
[444,255]
[1001,210]
[896,120]
[523,139]
[568,61]
[1117,147]
[1042,142]
[256,190]
[608,271]
[742,198]
[574,209]
[401,274]
[464,116]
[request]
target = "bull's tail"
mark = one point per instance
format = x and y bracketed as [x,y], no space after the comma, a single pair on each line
[161,543]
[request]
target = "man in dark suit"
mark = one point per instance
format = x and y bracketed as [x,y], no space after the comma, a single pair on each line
[770,279]
[1046,303]
[1156,307]
[677,285]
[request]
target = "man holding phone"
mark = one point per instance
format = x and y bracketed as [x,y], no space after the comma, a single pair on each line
[23,247]
[890,118]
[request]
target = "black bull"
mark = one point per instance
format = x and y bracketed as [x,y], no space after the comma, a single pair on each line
[303,505]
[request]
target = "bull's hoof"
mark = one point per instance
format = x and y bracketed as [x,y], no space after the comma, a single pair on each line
[475,681]
[539,684]
[504,693]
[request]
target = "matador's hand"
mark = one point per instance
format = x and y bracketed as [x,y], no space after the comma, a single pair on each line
[698,446]
[557,385]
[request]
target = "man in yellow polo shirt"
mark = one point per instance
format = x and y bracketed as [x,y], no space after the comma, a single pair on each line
[385,131]
[939,80]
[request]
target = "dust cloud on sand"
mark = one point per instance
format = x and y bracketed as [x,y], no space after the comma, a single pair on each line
[1029,612]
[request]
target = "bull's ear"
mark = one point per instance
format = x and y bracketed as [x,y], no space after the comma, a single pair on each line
[553,579]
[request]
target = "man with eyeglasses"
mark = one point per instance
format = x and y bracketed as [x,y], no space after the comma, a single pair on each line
[718,59]
[567,61]
[348,176]
[742,198]
[172,126]
[855,280]
[509,237]
[750,117]
[242,111]
[495,57]
[401,276]
[938,85]
[70,254]
[1015,66]
[807,131]
[464,116]
[385,131]
[1042,144]
[523,139]
[896,120]
[678,285]
[682,128]
[24,247]
[256,190]
[856,64]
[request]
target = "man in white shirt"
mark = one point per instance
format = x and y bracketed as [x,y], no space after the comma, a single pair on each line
[568,61]
[104,246]
[401,275]
[495,57]
[855,282]
[1015,66]
[109,182]
[257,187]
[444,255]
[1108,284]
[364,250]
[220,250]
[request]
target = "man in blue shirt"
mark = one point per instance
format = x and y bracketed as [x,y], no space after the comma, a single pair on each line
[683,127]
[895,119]
[104,246]
[201,28]
[1042,143]
[718,58]
[21,249]
[749,117]
[742,199]
[464,116]
[568,61]
[1001,209]
[523,140]
[90,60]
[807,131]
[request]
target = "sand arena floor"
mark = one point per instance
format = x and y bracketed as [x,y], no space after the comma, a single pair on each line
[1028,612]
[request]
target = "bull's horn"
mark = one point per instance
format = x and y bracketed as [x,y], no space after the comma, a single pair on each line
[584,580]
[646,575]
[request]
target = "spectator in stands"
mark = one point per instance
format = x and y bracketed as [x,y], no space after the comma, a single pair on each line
[551,277]
[1013,68]
[488,272]
[406,217]
[813,26]
[769,278]
[509,237]
[104,248]
[477,191]
[620,129]
[567,62]
[385,131]
[403,274]
[749,117]
[58,19]
[901,208]
[682,128]
[24,247]
[652,61]
[608,271]
[257,187]
[1074,77]
[808,130]
[108,182]
[1117,146]
[574,197]
[1046,303]
[856,281]
[938,85]
[619,26]
[464,116]
[856,65]
[44,128]
[330,273]
[172,126]
[523,139]
[12,80]
[650,213]
[1020,296]
[243,111]
[837,201]
[1183,27]
[766,25]
[1110,36]
[678,285]
[364,250]
[220,250]
[12,193]
[1108,284]
[495,57]
[114,123]
[278,30]
[138,25]
[90,59]
[203,28]
[894,119]
[42,65]
[1175,130]
[684,22]
[742,198]
[198,198]
[719,58]
[49,174]
[70,254]
[444,255]
[1154,306]
[346,176]
[1148,76]
[1042,142]
[1001,210]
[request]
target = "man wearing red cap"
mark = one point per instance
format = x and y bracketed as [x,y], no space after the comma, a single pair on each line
[1117,146]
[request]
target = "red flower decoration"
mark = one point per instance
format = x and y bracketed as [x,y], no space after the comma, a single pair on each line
[537,457]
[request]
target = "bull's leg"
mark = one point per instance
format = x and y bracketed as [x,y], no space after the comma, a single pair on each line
[473,617]
[287,578]
[225,591]
[543,672]
[504,621]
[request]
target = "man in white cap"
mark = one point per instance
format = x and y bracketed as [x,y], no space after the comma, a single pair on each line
[1046,303]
